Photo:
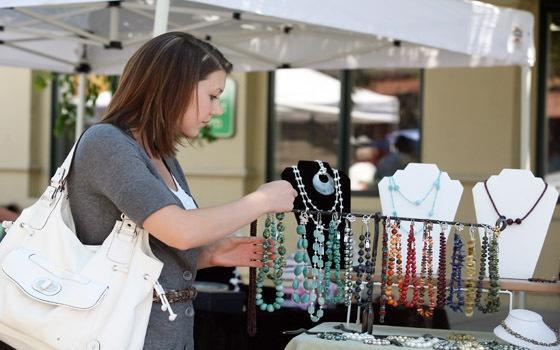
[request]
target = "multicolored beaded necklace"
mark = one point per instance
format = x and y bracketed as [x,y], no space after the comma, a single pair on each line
[426,272]
[394,253]
[364,256]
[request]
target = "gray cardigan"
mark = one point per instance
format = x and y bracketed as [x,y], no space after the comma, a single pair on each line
[111,174]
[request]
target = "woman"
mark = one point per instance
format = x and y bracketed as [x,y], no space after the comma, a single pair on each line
[168,91]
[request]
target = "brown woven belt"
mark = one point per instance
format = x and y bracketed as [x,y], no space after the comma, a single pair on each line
[174,296]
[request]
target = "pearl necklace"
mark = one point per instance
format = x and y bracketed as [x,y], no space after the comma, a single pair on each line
[421,342]
[366,338]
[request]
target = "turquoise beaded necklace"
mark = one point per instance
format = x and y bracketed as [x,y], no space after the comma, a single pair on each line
[302,260]
[274,237]
[395,188]
[316,293]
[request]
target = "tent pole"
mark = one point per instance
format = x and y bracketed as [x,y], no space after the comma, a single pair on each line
[525,113]
[80,111]
[161,17]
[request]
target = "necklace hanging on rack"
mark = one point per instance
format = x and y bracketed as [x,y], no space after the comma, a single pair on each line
[426,272]
[369,278]
[457,261]
[470,274]
[302,260]
[333,255]
[410,272]
[395,188]
[316,293]
[363,259]
[489,250]
[274,237]
[384,261]
[441,290]
[511,221]
[394,251]
[348,258]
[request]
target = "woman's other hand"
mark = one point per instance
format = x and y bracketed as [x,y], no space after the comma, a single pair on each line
[235,251]
[277,196]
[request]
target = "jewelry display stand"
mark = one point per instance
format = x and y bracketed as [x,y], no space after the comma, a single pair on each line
[416,180]
[528,324]
[308,171]
[514,193]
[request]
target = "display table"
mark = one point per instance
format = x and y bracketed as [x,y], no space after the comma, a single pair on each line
[311,342]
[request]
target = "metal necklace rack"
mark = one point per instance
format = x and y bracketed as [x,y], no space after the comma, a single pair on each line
[501,222]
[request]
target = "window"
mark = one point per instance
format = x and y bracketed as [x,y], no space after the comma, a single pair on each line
[364,122]
[549,99]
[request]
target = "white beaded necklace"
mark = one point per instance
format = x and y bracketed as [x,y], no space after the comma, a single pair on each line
[307,201]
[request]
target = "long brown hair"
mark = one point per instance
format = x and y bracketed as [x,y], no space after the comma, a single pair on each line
[158,83]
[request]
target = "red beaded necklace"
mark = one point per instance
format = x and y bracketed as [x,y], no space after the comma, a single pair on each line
[517,221]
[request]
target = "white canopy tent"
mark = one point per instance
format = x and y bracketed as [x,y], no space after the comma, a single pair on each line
[64,35]
[319,99]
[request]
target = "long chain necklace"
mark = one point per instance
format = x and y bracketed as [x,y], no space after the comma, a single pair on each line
[470,275]
[529,340]
[490,251]
[511,221]
[441,291]
[395,188]
[426,272]
[302,260]
[457,260]
[274,237]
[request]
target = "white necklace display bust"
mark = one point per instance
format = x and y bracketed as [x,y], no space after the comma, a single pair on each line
[514,193]
[530,325]
[414,182]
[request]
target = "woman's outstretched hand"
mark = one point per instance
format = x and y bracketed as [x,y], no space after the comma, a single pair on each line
[277,196]
[236,251]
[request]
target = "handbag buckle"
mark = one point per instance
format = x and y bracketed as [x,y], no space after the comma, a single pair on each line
[46,286]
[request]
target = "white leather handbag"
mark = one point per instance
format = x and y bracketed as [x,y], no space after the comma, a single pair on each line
[56,293]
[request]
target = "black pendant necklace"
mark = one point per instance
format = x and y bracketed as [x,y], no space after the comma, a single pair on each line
[511,221]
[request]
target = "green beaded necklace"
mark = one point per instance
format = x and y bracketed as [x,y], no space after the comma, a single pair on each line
[274,237]
[333,254]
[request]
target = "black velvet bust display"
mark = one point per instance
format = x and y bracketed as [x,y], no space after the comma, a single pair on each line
[307,170]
